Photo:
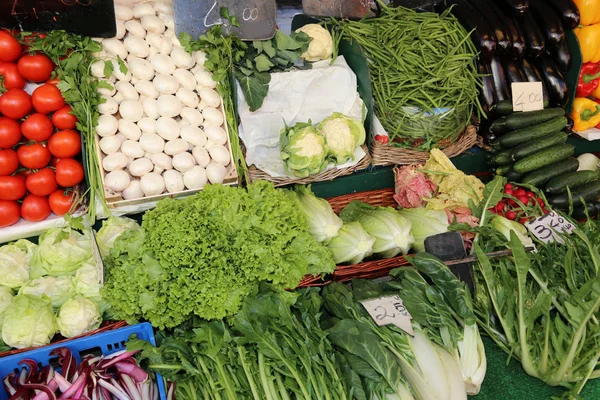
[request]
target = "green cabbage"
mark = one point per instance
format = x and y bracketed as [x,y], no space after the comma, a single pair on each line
[61,251]
[425,223]
[58,290]
[505,226]
[28,322]
[323,224]
[78,316]
[14,263]
[87,282]
[6,297]
[303,150]
[352,244]
[110,231]
[390,229]
[343,135]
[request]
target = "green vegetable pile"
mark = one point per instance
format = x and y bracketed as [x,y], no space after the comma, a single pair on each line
[421,64]
[203,255]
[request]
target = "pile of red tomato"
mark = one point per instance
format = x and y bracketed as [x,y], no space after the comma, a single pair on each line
[38,140]
[519,204]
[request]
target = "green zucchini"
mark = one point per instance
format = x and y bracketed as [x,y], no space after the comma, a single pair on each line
[521,120]
[527,149]
[571,180]
[502,158]
[504,107]
[544,157]
[503,170]
[579,212]
[499,126]
[543,175]
[587,192]
[519,136]
[513,176]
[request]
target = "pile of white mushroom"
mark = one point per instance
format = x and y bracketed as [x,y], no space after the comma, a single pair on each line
[161,127]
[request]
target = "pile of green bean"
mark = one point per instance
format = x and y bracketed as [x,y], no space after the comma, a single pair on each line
[422,67]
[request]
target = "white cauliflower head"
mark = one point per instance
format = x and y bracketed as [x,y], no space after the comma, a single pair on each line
[321,45]
[343,135]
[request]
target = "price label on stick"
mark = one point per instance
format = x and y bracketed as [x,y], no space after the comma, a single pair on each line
[527,96]
[389,310]
[547,228]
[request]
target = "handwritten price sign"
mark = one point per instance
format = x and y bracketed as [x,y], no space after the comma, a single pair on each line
[389,310]
[527,96]
[546,228]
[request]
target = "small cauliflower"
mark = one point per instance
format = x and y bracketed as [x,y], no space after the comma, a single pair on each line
[343,134]
[303,149]
[321,45]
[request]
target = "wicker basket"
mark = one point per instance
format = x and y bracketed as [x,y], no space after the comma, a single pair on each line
[105,327]
[388,155]
[258,174]
[369,269]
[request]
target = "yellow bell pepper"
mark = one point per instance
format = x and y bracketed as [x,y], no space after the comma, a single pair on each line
[585,114]
[589,11]
[589,41]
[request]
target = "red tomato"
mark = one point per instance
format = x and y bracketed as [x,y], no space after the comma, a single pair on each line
[10,49]
[36,67]
[37,127]
[10,213]
[15,103]
[42,183]
[12,187]
[69,172]
[33,156]
[35,208]
[12,77]
[382,138]
[47,98]
[61,201]
[10,132]
[9,162]
[63,119]
[65,144]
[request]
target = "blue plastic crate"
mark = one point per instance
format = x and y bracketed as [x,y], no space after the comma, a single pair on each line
[101,344]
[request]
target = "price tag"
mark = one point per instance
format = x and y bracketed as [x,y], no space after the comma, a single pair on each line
[389,310]
[546,228]
[527,96]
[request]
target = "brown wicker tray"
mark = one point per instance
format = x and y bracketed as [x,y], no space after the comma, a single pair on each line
[257,174]
[369,269]
[383,154]
[105,327]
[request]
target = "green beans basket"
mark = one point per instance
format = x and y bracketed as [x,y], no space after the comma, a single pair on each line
[422,66]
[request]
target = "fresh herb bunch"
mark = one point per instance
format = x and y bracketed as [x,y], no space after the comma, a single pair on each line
[73,56]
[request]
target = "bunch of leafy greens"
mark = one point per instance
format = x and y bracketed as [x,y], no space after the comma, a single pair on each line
[323,223]
[542,307]
[203,255]
[273,349]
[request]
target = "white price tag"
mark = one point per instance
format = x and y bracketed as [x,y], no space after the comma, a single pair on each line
[389,310]
[527,96]
[546,228]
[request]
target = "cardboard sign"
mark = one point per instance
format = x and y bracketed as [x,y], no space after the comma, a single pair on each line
[94,18]
[527,96]
[256,17]
[546,228]
[389,310]
[339,8]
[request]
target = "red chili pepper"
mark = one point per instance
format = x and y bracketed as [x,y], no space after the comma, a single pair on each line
[382,139]
[589,79]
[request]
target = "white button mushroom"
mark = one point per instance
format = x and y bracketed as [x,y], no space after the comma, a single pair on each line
[205,79]
[182,58]
[185,78]
[115,161]
[216,134]
[120,30]
[152,143]
[107,125]
[143,9]
[135,28]
[168,105]
[193,135]
[166,84]
[162,64]
[127,90]
[188,97]
[163,7]
[191,116]
[132,110]
[210,97]
[219,154]
[168,20]
[141,167]
[201,156]
[176,146]
[195,178]
[123,12]
[107,89]
[117,74]
[152,184]
[183,162]
[153,24]
[129,129]
[147,125]
[132,149]
[110,106]
[115,47]
[117,181]
[199,58]
[162,161]
[159,43]
[167,128]
[141,69]
[146,89]
[132,191]
[216,172]
[151,108]
[110,144]
[212,116]
[136,46]
[173,181]
[118,97]
[97,69]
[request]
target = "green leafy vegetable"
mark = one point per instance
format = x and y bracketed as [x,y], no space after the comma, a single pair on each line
[60,252]
[57,289]
[425,223]
[110,230]
[14,263]
[352,244]
[28,322]
[77,316]
[323,224]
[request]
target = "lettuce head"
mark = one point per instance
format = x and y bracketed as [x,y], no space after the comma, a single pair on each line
[6,297]
[425,223]
[77,316]
[57,289]
[14,263]
[303,150]
[28,322]
[323,224]
[352,244]
[110,231]
[61,251]
[343,135]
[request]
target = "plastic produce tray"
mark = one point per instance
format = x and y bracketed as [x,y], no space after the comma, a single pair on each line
[103,343]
